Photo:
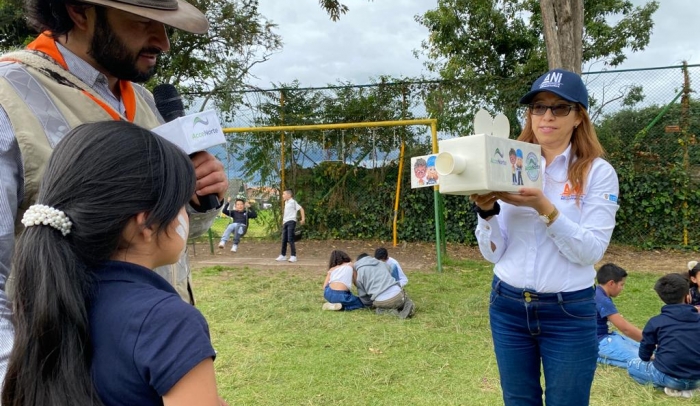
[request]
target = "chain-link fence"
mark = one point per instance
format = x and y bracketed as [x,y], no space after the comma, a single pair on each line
[348,179]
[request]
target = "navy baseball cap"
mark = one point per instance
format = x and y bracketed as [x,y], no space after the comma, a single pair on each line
[565,84]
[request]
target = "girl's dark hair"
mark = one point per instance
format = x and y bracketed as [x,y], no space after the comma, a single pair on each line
[49,15]
[338,257]
[100,175]
[693,272]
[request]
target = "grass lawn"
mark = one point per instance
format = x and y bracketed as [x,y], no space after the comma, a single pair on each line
[276,346]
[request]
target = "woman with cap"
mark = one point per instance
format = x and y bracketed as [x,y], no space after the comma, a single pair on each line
[544,244]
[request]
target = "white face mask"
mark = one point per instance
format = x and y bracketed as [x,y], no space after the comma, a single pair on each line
[182,228]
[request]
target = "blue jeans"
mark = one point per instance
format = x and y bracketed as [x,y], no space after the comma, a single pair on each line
[344,297]
[644,372]
[238,229]
[617,350]
[557,330]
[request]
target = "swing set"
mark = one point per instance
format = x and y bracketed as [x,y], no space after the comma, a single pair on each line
[373,125]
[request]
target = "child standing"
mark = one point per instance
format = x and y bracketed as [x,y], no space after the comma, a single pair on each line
[338,284]
[289,224]
[240,215]
[673,335]
[613,348]
[394,267]
[94,324]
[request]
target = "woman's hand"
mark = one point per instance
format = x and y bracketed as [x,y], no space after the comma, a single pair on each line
[485,201]
[528,197]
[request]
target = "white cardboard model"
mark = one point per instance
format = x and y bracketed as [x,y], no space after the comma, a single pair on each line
[487,161]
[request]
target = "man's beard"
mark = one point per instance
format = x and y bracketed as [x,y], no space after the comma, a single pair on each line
[110,52]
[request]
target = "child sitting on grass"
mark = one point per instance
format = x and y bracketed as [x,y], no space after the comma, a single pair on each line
[673,334]
[693,279]
[378,289]
[394,267]
[613,348]
[338,284]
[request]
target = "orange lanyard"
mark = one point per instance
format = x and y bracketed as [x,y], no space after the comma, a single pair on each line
[47,45]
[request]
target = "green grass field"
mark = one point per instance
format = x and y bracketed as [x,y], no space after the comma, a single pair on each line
[276,346]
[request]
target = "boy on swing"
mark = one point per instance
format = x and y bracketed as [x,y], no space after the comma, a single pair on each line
[240,215]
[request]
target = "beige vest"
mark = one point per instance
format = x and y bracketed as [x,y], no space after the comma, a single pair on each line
[44,102]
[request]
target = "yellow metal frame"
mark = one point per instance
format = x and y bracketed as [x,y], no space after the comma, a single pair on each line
[368,124]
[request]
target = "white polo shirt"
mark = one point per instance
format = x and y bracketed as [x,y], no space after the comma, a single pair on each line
[558,258]
[291,207]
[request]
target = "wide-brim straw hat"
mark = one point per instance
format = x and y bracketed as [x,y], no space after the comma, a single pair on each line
[175,13]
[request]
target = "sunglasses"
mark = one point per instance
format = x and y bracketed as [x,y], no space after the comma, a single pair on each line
[558,110]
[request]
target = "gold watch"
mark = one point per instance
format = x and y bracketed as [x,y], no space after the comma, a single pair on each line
[548,218]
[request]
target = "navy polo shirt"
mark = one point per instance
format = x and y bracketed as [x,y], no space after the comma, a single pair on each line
[604,307]
[145,337]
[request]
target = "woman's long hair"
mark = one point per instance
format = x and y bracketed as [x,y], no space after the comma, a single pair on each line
[338,257]
[100,175]
[585,148]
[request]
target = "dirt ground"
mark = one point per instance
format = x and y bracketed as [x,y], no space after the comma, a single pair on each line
[413,256]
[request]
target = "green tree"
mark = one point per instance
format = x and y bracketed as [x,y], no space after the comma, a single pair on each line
[212,65]
[488,51]
[659,194]
[14,31]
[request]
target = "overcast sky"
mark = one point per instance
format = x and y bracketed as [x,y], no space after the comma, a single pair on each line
[378,38]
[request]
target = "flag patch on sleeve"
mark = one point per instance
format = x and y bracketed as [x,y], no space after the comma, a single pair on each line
[611,197]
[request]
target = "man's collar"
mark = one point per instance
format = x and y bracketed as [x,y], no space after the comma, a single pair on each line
[81,68]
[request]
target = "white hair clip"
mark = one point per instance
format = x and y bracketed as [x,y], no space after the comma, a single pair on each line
[40,214]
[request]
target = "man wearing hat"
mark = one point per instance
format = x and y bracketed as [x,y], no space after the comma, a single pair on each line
[84,67]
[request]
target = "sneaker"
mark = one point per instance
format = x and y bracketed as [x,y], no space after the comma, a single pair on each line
[234,248]
[331,306]
[281,258]
[221,244]
[292,259]
[678,393]
[408,310]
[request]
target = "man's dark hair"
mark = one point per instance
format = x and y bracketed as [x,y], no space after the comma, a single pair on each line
[610,272]
[672,288]
[239,200]
[50,15]
[291,192]
[381,254]
[359,257]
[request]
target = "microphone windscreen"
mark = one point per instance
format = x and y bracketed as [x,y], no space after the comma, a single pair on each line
[168,102]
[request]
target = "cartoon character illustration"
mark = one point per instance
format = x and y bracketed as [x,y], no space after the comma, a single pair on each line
[511,156]
[519,166]
[431,177]
[419,170]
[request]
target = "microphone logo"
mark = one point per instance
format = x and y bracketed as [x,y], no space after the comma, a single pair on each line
[200,120]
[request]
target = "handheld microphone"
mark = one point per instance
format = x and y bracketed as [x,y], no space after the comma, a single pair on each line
[192,133]
[168,102]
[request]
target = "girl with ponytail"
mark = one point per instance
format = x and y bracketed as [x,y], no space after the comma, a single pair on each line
[94,325]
